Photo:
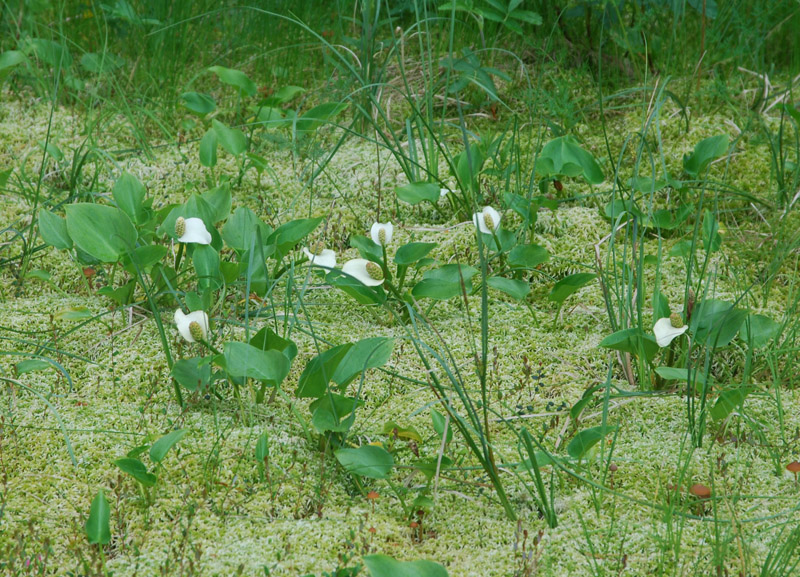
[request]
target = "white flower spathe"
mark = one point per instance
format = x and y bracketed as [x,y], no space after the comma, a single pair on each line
[195,232]
[382,233]
[364,271]
[184,323]
[325,259]
[487,221]
[665,332]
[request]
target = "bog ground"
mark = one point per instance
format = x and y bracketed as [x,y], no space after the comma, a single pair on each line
[467,289]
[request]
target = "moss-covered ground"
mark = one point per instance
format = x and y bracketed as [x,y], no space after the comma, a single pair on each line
[214,511]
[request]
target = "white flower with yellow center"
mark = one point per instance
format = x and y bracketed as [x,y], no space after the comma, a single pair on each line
[192,230]
[364,271]
[321,257]
[669,328]
[192,327]
[382,233]
[487,220]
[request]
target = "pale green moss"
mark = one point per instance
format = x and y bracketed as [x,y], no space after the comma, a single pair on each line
[121,396]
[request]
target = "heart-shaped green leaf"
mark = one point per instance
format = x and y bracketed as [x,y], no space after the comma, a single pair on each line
[563,156]
[235,78]
[104,232]
[244,360]
[705,151]
[417,192]
[163,445]
[97,526]
[366,461]
[384,566]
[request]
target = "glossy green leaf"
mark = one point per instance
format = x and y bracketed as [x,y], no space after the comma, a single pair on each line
[262,447]
[678,374]
[647,184]
[366,461]
[367,248]
[244,360]
[208,148]
[219,200]
[516,289]
[235,78]
[163,445]
[193,373]
[319,115]
[438,289]
[198,102]
[586,439]
[392,429]
[9,60]
[361,293]
[76,313]
[586,398]
[660,306]
[31,365]
[268,340]
[616,208]
[288,235]
[104,232]
[758,330]
[53,230]
[468,167]
[428,465]
[682,249]
[101,62]
[501,241]
[52,150]
[366,354]
[53,53]
[239,230]
[563,156]
[232,140]
[716,322]
[270,117]
[384,566]
[136,469]
[439,423]
[97,526]
[705,152]
[729,401]
[632,341]
[319,371]
[527,209]
[333,412]
[527,256]
[143,258]
[570,285]
[417,192]
[711,237]
[129,195]
[412,252]
[206,265]
[121,295]
[253,265]
[283,95]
